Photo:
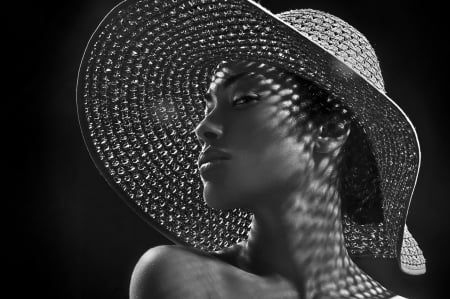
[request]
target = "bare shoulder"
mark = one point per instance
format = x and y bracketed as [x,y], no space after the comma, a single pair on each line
[182,272]
[172,271]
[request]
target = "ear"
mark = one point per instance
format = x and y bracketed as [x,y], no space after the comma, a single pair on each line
[332,136]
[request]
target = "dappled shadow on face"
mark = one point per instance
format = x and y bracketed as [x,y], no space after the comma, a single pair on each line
[299,112]
[286,113]
[265,117]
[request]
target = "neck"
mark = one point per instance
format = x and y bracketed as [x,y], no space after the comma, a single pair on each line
[302,239]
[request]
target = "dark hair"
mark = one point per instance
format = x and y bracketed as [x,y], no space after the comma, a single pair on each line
[358,175]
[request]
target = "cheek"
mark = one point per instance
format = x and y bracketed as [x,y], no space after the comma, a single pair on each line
[274,164]
[274,149]
[265,161]
[265,165]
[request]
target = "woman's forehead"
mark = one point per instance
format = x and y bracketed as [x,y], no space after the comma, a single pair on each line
[230,68]
[227,73]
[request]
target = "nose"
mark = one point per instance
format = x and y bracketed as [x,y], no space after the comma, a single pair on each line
[208,131]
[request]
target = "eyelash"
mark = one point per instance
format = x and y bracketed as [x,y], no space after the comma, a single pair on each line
[235,103]
[247,97]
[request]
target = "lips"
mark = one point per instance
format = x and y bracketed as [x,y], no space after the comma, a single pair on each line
[211,155]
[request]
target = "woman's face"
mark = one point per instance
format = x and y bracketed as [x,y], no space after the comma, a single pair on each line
[249,120]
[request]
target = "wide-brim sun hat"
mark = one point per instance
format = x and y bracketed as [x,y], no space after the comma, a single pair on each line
[140,94]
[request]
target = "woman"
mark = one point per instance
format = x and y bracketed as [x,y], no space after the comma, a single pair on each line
[297,93]
[272,145]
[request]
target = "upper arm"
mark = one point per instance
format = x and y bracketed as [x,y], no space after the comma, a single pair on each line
[144,277]
[154,274]
[169,272]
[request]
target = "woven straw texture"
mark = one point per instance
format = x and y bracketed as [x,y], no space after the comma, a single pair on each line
[412,260]
[140,92]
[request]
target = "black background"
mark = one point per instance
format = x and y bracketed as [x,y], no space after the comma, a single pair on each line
[72,237]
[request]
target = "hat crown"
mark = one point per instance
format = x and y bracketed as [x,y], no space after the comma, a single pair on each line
[340,39]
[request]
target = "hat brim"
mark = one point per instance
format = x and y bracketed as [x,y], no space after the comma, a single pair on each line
[140,92]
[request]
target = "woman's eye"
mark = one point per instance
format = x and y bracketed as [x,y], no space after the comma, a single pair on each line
[244,100]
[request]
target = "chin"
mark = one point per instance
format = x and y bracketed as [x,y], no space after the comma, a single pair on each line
[216,199]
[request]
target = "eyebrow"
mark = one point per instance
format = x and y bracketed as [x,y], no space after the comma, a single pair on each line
[230,80]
